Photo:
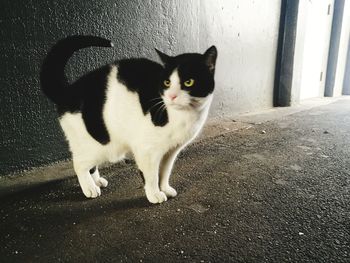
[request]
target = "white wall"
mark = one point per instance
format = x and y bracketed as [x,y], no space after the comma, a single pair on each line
[246,34]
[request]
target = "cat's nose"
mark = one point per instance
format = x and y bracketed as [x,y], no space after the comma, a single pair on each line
[172,96]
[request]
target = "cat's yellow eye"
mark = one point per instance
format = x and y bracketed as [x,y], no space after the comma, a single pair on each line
[167,83]
[189,83]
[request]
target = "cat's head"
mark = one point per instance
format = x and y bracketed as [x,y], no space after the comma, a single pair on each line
[188,79]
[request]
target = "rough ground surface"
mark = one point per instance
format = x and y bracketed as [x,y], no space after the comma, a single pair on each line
[244,196]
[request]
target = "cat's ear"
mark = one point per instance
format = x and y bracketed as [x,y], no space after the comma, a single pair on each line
[210,58]
[164,57]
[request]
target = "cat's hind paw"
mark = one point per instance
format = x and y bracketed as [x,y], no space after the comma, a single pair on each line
[157,197]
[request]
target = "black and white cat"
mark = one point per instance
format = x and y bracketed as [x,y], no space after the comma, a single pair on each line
[132,106]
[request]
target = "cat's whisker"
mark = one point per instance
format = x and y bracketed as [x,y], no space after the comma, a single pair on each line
[158,112]
[162,109]
[194,103]
[158,98]
[156,104]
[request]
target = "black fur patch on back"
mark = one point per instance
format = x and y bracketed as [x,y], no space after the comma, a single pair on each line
[143,76]
[94,100]
[88,96]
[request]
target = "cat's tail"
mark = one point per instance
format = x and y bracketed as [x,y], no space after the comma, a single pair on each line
[54,83]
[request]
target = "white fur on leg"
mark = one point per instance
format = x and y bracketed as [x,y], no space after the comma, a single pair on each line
[87,184]
[165,172]
[149,166]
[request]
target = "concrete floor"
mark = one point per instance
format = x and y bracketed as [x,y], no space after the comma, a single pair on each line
[275,191]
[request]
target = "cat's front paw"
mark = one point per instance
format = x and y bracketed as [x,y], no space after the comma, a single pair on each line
[169,191]
[101,182]
[91,190]
[157,197]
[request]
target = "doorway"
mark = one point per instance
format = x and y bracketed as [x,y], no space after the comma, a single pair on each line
[318,26]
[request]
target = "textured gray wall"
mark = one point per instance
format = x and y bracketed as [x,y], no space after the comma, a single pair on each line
[245,32]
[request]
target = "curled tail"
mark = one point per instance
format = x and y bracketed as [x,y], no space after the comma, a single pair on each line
[54,83]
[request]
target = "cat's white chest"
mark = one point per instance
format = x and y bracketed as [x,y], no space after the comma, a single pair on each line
[180,130]
[184,126]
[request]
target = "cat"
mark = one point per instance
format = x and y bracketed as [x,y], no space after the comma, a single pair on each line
[131,106]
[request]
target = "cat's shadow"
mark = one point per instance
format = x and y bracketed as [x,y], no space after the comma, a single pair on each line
[109,201]
[50,193]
